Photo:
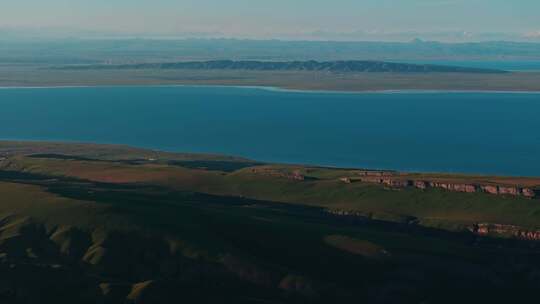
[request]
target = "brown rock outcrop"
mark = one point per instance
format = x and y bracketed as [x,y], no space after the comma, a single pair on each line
[528,192]
[485,229]
[421,185]
[375,173]
[467,188]
[345,180]
[371,179]
[509,191]
[397,182]
[490,189]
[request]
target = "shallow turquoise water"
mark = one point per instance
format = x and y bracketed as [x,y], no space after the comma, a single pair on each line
[492,133]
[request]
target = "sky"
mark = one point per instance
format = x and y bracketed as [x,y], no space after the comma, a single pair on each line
[341,19]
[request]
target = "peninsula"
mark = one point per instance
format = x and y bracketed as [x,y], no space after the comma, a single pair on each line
[347,66]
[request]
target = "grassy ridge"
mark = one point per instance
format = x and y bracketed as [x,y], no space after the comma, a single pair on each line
[430,207]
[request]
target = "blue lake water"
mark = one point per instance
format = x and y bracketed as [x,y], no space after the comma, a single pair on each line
[492,133]
[507,65]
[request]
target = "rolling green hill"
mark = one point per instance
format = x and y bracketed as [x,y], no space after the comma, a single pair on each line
[109,224]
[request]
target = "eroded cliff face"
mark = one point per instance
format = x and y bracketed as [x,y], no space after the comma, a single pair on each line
[480,229]
[487,229]
[395,180]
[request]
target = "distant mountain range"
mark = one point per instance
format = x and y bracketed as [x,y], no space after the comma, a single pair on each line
[132,51]
[328,66]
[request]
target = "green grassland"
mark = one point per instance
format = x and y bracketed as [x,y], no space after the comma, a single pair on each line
[88,224]
[433,207]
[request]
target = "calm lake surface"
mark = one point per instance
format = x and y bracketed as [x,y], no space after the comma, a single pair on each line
[507,65]
[491,133]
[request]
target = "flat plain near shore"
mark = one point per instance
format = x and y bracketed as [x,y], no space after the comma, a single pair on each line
[41,75]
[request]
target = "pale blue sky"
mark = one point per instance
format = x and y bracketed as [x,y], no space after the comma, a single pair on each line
[273,17]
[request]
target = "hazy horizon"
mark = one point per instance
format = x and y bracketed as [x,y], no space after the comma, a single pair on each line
[345,20]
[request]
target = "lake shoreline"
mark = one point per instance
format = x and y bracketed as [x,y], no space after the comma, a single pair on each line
[39,145]
[275,89]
